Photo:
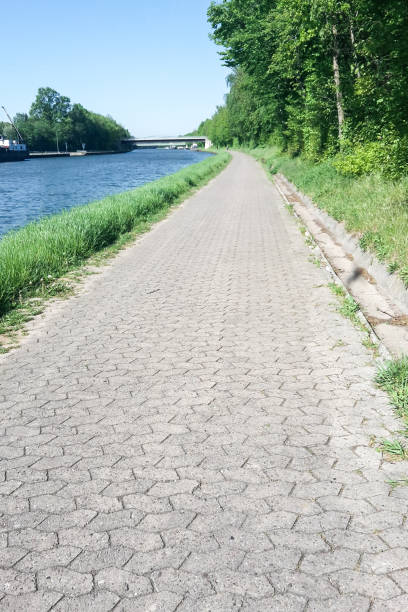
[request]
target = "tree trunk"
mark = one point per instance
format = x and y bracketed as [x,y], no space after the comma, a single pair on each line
[336,75]
[353,46]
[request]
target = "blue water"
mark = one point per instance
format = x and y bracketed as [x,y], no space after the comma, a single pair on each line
[34,188]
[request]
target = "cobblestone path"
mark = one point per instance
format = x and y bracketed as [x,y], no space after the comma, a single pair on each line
[192,431]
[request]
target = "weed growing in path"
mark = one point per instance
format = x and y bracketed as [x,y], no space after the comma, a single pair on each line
[349,308]
[393,448]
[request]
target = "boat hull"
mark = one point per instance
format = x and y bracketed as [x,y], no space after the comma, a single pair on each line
[7,156]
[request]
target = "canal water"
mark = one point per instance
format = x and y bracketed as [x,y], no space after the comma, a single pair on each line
[34,188]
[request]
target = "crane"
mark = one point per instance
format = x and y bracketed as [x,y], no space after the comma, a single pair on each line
[20,138]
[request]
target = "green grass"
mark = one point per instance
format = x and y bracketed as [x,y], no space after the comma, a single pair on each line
[392,377]
[349,308]
[394,448]
[34,258]
[373,208]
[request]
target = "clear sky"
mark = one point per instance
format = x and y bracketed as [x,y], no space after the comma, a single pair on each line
[148,63]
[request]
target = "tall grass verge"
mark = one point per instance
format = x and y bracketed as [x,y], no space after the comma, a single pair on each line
[33,257]
[372,207]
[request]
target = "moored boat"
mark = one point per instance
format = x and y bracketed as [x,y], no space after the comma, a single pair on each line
[12,150]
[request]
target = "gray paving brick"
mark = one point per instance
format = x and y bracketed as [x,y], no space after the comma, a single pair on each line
[40,601]
[328,562]
[213,603]
[386,561]
[15,583]
[36,561]
[64,581]
[165,601]
[344,603]
[298,583]
[178,581]
[122,582]
[241,583]
[94,560]
[288,603]
[381,587]
[100,601]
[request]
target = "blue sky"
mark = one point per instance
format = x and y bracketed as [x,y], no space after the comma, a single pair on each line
[148,63]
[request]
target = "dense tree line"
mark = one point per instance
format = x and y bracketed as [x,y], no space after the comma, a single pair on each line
[52,117]
[316,77]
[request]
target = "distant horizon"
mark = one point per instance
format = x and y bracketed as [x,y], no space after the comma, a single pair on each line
[160,75]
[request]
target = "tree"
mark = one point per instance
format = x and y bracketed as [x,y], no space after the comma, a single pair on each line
[50,105]
[315,76]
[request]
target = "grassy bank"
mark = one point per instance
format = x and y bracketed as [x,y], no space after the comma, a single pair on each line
[34,257]
[372,207]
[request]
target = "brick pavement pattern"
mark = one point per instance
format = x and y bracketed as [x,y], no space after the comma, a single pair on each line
[192,431]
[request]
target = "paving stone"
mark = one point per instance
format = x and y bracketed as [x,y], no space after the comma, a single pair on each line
[213,603]
[40,601]
[15,583]
[305,542]
[313,587]
[147,562]
[165,601]
[384,562]
[188,540]
[184,425]
[166,520]
[9,556]
[241,583]
[32,539]
[286,603]
[77,518]
[100,601]
[362,542]
[270,560]
[272,520]
[401,578]
[178,581]
[64,581]
[83,538]
[348,581]
[224,558]
[94,560]
[397,603]
[344,603]
[328,562]
[122,582]
[36,561]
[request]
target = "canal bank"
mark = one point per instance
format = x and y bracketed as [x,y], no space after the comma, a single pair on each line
[49,154]
[41,187]
[35,256]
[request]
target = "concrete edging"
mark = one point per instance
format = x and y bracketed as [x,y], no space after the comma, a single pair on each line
[383,298]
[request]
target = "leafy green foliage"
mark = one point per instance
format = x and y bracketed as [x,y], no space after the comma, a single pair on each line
[320,78]
[52,117]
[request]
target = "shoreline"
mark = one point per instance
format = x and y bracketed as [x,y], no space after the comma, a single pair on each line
[37,257]
[47,154]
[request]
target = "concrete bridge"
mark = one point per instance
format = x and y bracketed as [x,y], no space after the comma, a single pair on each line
[163,141]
